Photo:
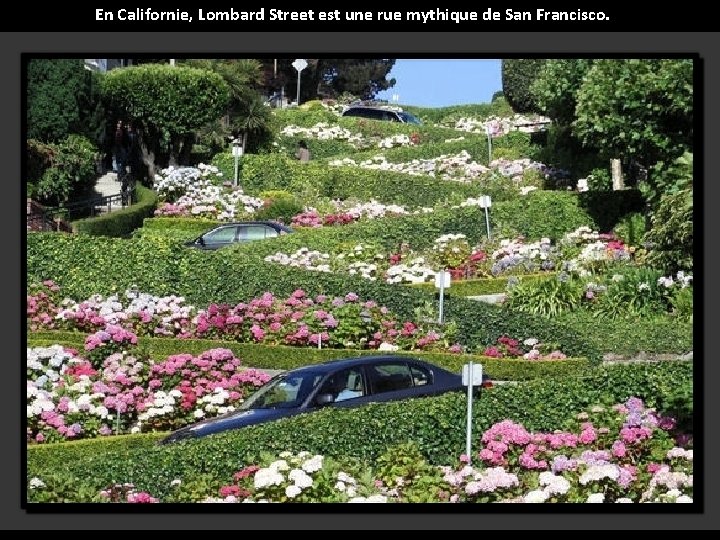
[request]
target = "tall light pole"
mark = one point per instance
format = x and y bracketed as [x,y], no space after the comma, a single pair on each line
[237,154]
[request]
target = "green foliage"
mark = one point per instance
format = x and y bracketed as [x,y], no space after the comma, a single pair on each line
[60,99]
[600,180]
[280,205]
[682,304]
[72,169]
[671,235]
[403,467]
[636,294]
[639,109]
[121,223]
[631,229]
[39,159]
[282,357]
[548,297]
[518,76]
[563,150]
[84,265]
[435,425]
[556,86]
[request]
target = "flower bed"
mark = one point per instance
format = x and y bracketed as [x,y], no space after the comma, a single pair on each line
[339,322]
[71,397]
[201,192]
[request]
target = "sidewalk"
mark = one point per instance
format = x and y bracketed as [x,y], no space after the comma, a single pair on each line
[107,185]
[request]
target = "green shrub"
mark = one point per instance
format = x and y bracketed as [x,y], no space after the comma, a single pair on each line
[548,297]
[435,425]
[121,222]
[280,357]
[281,209]
[631,229]
[179,228]
[600,180]
[72,169]
[671,235]
[39,159]
[541,214]
[442,115]
[660,334]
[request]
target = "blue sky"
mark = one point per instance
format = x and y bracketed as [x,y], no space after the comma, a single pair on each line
[439,83]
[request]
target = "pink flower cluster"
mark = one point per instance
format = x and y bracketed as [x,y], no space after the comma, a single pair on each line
[42,305]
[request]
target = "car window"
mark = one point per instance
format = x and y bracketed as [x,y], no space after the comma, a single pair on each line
[249,233]
[420,375]
[344,385]
[284,392]
[390,377]
[222,235]
[354,112]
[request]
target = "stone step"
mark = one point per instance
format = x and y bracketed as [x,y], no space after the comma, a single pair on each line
[489,298]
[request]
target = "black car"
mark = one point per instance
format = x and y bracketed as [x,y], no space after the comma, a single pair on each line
[380,113]
[341,383]
[232,233]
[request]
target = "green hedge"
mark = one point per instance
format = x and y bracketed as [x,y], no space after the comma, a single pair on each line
[178,228]
[475,145]
[279,357]
[482,286]
[437,425]
[629,337]
[121,222]
[83,265]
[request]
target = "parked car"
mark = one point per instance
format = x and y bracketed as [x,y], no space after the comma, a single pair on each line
[341,383]
[381,113]
[232,233]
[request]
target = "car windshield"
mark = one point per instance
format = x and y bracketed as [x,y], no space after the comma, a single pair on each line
[284,391]
[409,118]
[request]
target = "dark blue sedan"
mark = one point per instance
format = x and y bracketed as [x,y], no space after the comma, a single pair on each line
[341,383]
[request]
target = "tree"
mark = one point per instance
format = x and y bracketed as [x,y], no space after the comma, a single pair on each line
[246,114]
[638,109]
[329,77]
[61,99]
[556,87]
[165,103]
[517,78]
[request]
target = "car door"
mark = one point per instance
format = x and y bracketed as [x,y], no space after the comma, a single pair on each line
[348,387]
[255,231]
[220,237]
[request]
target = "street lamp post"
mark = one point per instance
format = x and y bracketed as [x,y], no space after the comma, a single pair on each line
[237,154]
[299,65]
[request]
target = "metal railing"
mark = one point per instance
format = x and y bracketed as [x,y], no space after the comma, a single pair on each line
[42,218]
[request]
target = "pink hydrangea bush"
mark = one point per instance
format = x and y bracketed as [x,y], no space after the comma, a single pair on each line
[69,399]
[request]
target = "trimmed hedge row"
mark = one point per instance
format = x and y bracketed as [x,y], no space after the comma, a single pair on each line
[280,357]
[661,335]
[437,425]
[179,228]
[482,286]
[498,107]
[263,172]
[120,222]
[84,265]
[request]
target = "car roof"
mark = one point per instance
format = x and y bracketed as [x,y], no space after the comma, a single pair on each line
[332,365]
[269,223]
